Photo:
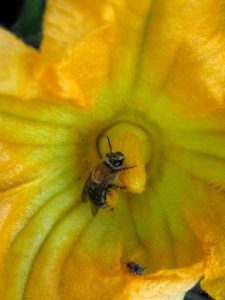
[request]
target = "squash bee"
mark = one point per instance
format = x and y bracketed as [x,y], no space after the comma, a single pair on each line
[135,268]
[102,179]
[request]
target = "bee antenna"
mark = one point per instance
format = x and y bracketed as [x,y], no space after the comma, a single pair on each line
[110,147]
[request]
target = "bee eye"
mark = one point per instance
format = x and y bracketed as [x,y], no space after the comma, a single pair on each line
[117,163]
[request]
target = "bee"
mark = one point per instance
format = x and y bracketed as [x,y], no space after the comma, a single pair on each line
[135,268]
[102,180]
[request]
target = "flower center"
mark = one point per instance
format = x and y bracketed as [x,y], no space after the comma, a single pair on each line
[146,225]
[136,143]
[140,144]
[119,129]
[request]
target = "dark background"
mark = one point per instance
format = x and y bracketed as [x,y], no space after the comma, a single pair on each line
[24,18]
[9,11]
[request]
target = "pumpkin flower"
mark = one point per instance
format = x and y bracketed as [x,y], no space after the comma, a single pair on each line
[149,75]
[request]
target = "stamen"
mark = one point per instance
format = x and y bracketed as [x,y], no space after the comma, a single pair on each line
[112,199]
[133,178]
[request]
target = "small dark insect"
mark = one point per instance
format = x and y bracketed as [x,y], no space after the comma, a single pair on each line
[134,267]
[102,179]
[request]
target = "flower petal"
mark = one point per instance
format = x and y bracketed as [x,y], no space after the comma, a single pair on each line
[49,235]
[145,45]
[87,47]
[36,186]
[75,52]
[199,151]
[183,54]
[165,228]
[16,67]
[210,228]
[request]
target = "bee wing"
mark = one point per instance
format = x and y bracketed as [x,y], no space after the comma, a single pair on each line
[85,196]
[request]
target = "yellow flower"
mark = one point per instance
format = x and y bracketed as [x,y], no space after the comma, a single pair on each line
[154,69]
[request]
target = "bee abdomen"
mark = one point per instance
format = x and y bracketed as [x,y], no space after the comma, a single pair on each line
[97,194]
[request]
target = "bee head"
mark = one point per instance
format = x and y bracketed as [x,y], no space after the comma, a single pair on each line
[114,159]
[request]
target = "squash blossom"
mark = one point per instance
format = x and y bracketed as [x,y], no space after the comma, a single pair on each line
[151,76]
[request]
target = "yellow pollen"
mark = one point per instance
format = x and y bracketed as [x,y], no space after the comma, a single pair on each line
[112,199]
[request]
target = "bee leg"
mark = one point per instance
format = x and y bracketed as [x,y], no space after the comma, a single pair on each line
[123,169]
[116,187]
[126,168]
